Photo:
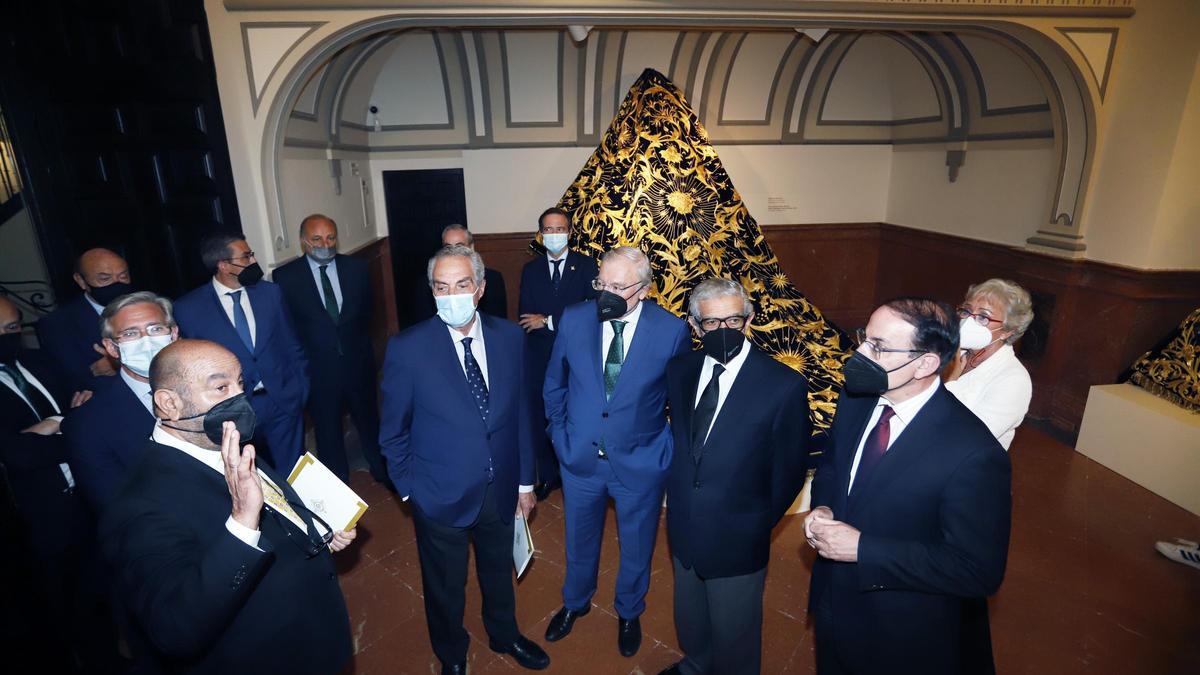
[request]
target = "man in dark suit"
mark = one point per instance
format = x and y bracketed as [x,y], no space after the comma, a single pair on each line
[609,427]
[71,335]
[741,427]
[219,563]
[54,584]
[495,298]
[911,505]
[548,284]
[329,297]
[251,320]
[105,436]
[455,431]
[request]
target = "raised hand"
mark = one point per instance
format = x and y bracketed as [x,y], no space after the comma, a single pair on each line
[245,487]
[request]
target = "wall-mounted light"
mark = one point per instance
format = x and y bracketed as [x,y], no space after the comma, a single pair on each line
[814,34]
[579,33]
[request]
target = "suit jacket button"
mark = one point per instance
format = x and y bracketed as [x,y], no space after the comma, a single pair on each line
[593,442]
[696,485]
[604,414]
[332,576]
[489,436]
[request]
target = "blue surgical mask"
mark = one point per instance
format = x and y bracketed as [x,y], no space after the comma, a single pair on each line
[555,241]
[322,254]
[457,310]
[138,354]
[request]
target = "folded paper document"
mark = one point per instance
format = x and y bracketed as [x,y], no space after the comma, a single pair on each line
[522,545]
[325,494]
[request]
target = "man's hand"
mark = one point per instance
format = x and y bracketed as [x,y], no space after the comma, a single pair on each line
[820,512]
[525,503]
[341,539]
[80,397]
[245,488]
[834,539]
[47,427]
[532,322]
[105,365]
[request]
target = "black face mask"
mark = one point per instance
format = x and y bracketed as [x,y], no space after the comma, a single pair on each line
[610,306]
[867,378]
[723,343]
[236,409]
[106,294]
[10,346]
[251,274]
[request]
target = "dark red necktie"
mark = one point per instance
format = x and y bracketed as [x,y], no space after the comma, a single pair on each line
[874,447]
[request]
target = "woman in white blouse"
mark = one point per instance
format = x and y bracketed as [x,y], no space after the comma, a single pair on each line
[987,377]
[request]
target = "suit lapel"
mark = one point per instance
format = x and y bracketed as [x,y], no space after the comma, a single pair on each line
[687,406]
[452,368]
[498,377]
[858,412]
[912,443]
[595,346]
[264,322]
[225,322]
[636,347]
[311,284]
[733,411]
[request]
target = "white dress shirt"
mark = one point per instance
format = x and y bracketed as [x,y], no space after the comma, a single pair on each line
[331,270]
[227,305]
[33,382]
[95,305]
[631,322]
[904,414]
[212,459]
[140,389]
[562,269]
[998,392]
[725,382]
[479,351]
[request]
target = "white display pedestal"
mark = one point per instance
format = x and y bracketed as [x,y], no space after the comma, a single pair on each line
[1146,439]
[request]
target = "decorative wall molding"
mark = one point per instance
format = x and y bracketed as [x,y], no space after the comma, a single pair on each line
[1097,46]
[265,44]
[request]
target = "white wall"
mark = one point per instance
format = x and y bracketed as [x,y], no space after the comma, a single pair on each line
[1001,195]
[308,187]
[507,189]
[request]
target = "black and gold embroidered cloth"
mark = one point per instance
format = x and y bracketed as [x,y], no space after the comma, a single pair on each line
[655,183]
[1172,371]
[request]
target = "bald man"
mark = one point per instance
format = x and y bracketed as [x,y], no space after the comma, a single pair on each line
[71,334]
[221,566]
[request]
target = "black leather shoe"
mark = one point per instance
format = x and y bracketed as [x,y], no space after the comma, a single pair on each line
[454,669]
[526,652]
[560,625]
[672,670]
[543,490]
[629,636]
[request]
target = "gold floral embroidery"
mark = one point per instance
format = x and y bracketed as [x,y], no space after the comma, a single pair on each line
[1173,371]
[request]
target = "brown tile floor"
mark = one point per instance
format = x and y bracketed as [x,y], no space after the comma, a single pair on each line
[1085,590]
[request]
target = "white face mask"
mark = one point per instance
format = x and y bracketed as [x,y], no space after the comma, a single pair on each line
[555,241]
[457,310]
[138,354]
[973,336]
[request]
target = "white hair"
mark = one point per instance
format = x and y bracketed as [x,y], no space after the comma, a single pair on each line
[634,256]
[477,267]
[1018,307]
[716,287]
[127,300]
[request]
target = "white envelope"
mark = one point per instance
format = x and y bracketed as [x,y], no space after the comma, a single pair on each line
[325,494]
[522,545]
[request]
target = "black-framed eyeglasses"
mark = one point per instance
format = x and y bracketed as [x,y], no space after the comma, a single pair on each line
[310,545]
[736,322]
[599,285]
[981,319]
[860,336]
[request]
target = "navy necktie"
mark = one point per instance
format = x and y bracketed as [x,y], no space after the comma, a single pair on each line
[475,381]
[556,275]
[874,447]
[240,323]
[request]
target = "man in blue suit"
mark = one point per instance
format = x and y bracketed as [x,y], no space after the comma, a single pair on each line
[106,435]
[456,431]
[548,284]
[251,320]
[912,507]
[70,334]
[607,420]
[329,296]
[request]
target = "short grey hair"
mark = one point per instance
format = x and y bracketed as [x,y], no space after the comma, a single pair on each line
[457,226]
[128,300]
[477,268]
[1018,307]
[716,287]
[635,256]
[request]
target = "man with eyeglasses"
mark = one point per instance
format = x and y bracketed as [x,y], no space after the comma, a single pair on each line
[251,320]
[69,333]
[741,427]
[456,431]
[220,565]
[549,283]
[106,436]
[605,396]
[911,505]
